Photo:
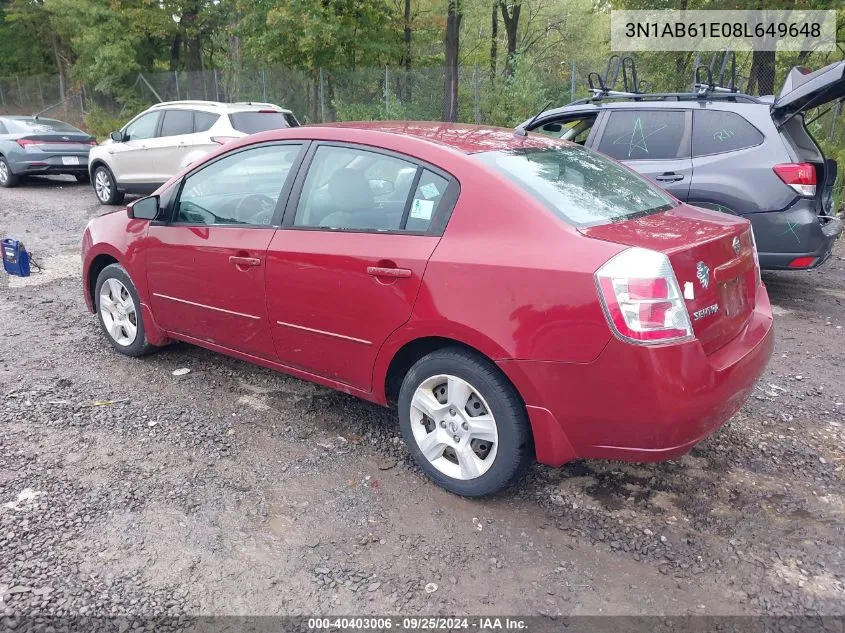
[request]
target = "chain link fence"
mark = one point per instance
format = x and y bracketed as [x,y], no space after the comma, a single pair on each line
[344,95]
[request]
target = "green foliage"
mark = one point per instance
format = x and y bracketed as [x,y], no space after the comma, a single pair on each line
[100,122]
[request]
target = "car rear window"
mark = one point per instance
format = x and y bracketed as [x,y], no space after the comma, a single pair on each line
[582,187]
[254,122]
[38,126]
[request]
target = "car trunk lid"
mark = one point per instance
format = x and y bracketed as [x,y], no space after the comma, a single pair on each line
[804,90]
[714,262]
[58,143]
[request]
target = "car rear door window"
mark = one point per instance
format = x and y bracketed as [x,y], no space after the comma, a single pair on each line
[239,189]
[425,204]
[714,132]
[177,122]
[359,190]
[204,120]
[644,135]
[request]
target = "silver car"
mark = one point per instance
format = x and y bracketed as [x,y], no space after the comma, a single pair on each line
[33,146]
[164,139]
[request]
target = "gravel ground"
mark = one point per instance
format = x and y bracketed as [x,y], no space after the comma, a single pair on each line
[235,490]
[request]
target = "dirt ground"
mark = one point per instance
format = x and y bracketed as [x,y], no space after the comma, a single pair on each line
[235,490]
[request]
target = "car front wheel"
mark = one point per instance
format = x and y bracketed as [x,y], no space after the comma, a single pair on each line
[7,178]
[105,186]
[464,423]
[119,311]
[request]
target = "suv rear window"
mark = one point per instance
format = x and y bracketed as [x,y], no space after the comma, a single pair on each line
[644,135]
[580,186]
[714,132]
[254,122]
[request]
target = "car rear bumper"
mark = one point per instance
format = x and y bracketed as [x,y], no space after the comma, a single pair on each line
[639,403]
[47,165]
[797,238]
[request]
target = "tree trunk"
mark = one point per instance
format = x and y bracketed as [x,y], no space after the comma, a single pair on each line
[450,85]
[176,52]
[60,67]
[494,41]
[762,74]
[511,27]
[406,61]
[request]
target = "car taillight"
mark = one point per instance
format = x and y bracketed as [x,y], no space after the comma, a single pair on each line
[222,140]
[641,298]
[24,142]
[800,176]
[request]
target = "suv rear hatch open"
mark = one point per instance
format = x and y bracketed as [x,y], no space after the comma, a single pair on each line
[713,258]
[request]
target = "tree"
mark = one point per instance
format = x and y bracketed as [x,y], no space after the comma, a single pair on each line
[453,46]
[494,41]
[511,20]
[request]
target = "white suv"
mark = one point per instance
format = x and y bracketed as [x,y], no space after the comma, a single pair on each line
[166,138]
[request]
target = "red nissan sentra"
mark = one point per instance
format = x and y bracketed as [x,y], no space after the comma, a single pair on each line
[517,298]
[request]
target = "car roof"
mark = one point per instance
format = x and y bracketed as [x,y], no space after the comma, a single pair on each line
[466,138]
[661,104]
[219,106]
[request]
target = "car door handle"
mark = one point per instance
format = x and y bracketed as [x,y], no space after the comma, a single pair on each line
[669,177]
[244,261]
[379,271]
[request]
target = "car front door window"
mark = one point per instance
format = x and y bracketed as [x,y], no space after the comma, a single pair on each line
[144,127]
[240,189]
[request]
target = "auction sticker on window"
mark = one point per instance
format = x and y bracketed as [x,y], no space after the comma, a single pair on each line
[422,209]
[768,30]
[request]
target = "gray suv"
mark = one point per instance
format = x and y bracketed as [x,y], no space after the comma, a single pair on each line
[750,156]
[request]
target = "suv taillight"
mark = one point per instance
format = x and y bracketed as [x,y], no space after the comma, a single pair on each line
[641,298]
[800,176]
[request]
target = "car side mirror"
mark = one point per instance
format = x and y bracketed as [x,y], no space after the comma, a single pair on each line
[117,137]
[144,209]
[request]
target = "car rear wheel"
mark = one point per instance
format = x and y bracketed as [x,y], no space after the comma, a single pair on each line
[119,311]
[7,178]
[464,423]
[105,186]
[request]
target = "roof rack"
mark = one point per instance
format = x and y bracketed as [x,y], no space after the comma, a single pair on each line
[602,87]
[197,102]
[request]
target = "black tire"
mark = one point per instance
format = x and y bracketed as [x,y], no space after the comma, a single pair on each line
[139,345]
[82,178]
[515,450]
[7,178]
[112,195]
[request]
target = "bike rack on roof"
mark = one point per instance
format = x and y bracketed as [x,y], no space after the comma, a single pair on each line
[704,87]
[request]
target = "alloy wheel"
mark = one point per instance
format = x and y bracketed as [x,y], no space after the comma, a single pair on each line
[117,309]
[454,427]
[102,185]
[4,171]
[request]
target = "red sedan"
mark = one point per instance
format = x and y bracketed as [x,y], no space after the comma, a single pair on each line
[514,297]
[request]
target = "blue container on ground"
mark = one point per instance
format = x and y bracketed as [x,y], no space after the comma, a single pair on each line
[15,257]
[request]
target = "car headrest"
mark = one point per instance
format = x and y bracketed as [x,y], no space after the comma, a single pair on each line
[350,191]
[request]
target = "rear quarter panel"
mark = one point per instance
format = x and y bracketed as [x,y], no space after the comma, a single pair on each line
[743,181]
[509,278]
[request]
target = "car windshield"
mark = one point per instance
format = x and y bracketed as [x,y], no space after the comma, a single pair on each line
[582,187]
[254,122]
[39,126]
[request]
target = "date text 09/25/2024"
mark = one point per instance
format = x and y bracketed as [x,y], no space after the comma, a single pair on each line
[363,624]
